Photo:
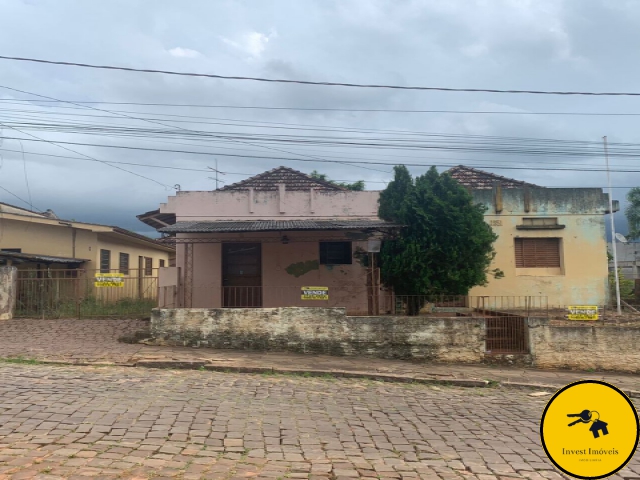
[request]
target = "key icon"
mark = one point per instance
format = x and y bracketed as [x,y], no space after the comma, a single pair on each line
[589,416]
[584,417]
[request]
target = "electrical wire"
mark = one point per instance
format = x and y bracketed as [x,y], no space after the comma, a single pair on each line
[315,109]
[57,143]
[160,123]
[325,84]
[112,161]
[16,196]
[580,168]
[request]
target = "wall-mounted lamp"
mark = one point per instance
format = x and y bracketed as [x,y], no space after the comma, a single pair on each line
[285,239]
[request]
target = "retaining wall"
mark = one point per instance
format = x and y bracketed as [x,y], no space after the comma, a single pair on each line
[585,346]
[322,331]
[578,345]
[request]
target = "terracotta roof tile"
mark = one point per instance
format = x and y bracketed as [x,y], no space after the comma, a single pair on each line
[293,180]
[481,180]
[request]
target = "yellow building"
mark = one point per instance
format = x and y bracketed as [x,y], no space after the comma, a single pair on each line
[551,241]
[41,241]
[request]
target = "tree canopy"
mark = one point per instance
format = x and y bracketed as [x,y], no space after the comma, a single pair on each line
[356,186]
[632,212]
[445,247]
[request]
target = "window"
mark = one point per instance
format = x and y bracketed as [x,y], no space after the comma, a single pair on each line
[105,261]
[124,263]
[148,266]
[335,253]
[537,252]
[161,263]
[11,250]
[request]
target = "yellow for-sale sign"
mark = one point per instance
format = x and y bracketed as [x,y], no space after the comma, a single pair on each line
[315,293]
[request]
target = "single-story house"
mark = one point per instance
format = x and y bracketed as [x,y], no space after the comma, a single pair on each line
[283,238]
[39,241]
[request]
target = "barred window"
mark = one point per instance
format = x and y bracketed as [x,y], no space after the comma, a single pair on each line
[335,253]
[124,263]
[161,263]
[537,252]
[105,261]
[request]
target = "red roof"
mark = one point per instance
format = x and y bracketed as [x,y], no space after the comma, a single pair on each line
[292,179]
[480,180]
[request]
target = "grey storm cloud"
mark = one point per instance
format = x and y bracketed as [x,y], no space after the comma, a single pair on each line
[508,44]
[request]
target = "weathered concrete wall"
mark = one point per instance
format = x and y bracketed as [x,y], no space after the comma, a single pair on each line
[323,330]
[585,347]
[582,277]
[260,205]
[8,285]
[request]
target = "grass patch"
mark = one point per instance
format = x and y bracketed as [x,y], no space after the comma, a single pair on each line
[88,307]
[21,360]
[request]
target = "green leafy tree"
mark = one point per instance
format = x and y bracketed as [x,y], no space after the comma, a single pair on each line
[445,247]
[632,212]
[355,186]
[627,286]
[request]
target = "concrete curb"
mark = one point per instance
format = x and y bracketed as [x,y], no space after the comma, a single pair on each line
[309,372]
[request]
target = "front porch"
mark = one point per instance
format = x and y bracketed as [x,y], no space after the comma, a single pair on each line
[271,269]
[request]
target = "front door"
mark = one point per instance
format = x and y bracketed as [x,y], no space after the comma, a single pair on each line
[241,275]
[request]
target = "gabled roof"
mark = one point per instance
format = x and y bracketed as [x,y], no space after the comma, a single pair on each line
[156,219]
[292,179]
[481,180]
[49,216]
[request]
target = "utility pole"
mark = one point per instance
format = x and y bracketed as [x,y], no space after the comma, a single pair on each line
[217,172]
[613,228]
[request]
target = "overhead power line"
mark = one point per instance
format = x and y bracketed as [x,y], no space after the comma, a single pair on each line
[125,115]
[325,84]
[57,143]
[535,167]
[314,109]
[110,161]
[19,198]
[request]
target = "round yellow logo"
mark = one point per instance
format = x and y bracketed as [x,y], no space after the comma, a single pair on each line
[589,429]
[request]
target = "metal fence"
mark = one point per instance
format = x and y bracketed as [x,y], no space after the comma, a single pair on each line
[72,293]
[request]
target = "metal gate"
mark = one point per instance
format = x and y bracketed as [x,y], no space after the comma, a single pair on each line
[506,334]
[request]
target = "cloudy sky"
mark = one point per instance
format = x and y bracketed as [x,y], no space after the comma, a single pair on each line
[584,45]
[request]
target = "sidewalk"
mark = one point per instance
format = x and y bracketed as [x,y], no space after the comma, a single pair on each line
[95,341]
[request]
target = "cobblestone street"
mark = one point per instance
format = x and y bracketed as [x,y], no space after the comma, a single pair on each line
[117,422]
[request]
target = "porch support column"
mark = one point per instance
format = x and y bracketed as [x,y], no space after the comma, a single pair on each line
[281,193]
[188,275]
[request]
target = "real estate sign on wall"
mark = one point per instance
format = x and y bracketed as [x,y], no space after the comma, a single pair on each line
[582,312]
[109,280]
[314,293]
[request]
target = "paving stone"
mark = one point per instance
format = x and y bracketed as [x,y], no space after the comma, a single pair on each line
[205,424]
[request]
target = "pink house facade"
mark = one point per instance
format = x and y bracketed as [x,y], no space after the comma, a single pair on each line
[279,239]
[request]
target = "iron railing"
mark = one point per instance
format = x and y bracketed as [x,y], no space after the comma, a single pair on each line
[56,293]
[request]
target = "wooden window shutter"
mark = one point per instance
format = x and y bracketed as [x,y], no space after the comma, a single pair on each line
[105,261]
[537,252]
[148,266]
[124,263]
